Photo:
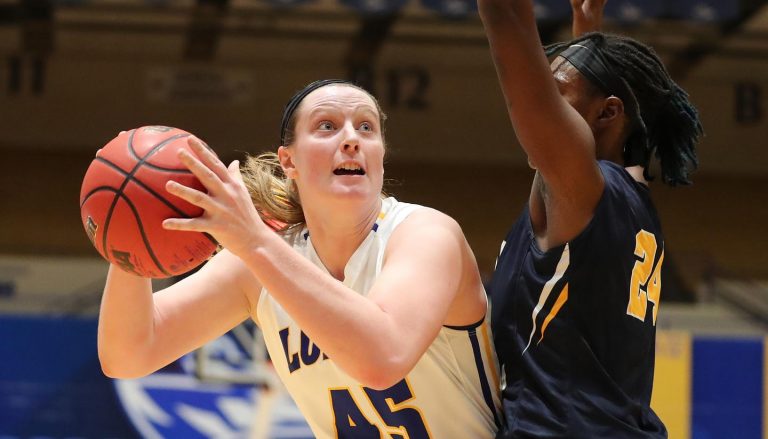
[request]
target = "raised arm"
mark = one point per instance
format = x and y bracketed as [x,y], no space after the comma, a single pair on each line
[139,332]
[557,139]
[587,16]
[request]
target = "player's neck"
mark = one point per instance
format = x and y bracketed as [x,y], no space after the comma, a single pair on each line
[637,173]
[337,233]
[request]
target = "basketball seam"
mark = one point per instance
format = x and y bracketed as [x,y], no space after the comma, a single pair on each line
[144,235]
[152,151]
[128,178]
[118,195]
[160,168]
[160,197]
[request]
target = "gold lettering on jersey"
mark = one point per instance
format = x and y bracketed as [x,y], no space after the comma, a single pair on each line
[645,283]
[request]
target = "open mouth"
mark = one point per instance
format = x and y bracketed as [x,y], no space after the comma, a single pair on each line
[349,169]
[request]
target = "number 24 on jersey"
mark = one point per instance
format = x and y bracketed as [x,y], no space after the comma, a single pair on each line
[645,283]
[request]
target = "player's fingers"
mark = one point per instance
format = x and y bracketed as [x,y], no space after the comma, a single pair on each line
[190,195]
[210,179]
[234,171]
[208,157]
[186,224]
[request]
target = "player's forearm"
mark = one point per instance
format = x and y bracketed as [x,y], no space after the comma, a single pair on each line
[349,328]
[533,102]
[516,52]
[125,324]
[504,14]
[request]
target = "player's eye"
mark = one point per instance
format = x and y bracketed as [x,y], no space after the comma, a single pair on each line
[325,126]
[365,126]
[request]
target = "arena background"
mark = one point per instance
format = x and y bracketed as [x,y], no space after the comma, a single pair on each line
[73,73]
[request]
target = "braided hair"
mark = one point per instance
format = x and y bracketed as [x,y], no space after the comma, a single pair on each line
[666,121]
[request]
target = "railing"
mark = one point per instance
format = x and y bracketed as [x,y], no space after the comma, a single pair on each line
[750,297]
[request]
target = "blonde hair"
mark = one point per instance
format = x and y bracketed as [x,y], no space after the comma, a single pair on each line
[274,195]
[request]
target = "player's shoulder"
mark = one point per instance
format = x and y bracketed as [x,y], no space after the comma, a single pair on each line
[616,176]
[426,218]
[429,237]
[621,188]
[401,216]
[426,227]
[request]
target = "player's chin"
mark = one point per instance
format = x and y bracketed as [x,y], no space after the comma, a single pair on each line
[359,191]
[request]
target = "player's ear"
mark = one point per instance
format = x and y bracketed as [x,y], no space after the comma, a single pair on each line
[612,111]
[284,154]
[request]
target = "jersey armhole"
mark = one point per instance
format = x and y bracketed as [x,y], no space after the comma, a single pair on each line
[476,324]
[605,198]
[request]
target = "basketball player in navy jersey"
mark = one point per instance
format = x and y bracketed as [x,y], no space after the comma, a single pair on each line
[578,282]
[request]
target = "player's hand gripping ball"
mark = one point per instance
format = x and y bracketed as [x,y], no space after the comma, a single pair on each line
[123,202]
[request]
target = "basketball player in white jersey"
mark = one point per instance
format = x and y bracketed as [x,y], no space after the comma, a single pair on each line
[373,310]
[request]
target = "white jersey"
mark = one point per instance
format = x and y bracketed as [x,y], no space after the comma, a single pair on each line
[452,392]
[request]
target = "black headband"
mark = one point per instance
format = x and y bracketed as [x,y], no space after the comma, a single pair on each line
[588,60]
[591,63]
[293,104]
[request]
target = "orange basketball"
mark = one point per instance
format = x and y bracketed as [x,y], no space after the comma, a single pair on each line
[123,203]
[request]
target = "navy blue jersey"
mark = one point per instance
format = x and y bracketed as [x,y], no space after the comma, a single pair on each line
[575,326]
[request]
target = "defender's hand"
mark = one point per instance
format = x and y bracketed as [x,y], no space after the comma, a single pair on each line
[587,16]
